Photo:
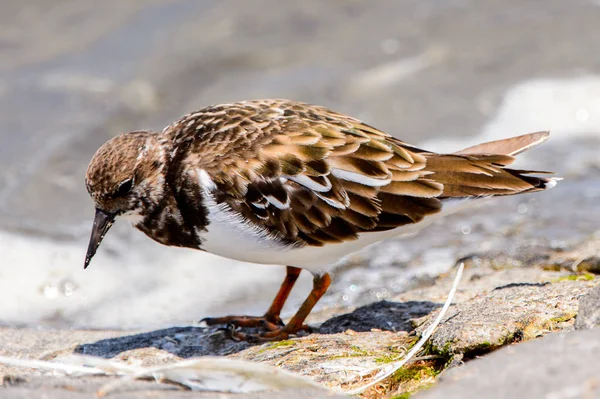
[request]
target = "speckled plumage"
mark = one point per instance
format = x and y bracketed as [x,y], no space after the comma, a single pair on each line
[279,176]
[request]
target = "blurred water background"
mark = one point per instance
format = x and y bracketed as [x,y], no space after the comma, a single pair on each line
[440,74]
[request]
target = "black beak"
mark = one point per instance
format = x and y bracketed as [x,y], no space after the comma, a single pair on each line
[102,222]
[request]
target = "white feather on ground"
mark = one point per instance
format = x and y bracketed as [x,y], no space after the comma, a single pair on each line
[395,366]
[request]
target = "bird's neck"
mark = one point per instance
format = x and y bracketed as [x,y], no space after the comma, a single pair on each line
[179,215]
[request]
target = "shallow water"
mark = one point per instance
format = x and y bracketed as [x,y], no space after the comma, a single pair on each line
[441,76]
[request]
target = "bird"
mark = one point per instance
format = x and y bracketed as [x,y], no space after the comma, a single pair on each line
[287,183]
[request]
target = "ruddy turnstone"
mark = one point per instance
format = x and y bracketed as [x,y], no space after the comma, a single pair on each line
[287,183]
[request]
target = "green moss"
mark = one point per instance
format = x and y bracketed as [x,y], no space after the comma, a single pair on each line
[575,277]
[356,352]
[408,394]
[511,338]
[445,351]
[397,353]
[563,318]
[359,351]
[281,344]
[551,323]
[278,344]
[345,355]
[406,374]
[414,372]
[415,377]
[388,358]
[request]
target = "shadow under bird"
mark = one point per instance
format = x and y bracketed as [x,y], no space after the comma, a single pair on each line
[287,183]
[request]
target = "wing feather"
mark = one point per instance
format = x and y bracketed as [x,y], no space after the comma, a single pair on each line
[312,176]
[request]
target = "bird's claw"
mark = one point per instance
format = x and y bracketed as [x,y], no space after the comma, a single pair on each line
[272,328]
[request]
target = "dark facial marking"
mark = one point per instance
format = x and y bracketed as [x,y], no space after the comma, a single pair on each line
[123,189]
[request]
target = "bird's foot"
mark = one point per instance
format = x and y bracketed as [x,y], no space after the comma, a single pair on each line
[277,334]
[272,328]
[267,322]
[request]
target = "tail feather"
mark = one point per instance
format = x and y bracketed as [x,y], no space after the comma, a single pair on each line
[481,170]
[511,146]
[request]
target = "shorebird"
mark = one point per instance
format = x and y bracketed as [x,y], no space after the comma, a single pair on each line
[287,183]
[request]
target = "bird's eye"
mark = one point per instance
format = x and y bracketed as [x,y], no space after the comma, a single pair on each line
[124,188]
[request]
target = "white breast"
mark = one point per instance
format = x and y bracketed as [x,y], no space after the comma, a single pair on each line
[228,234]
[231,236]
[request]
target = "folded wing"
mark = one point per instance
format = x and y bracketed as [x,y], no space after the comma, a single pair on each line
[311,176]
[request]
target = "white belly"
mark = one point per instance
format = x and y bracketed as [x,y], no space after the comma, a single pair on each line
[229,235]
[241,242]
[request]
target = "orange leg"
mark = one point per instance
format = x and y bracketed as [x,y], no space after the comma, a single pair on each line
[320,285]
[271,319]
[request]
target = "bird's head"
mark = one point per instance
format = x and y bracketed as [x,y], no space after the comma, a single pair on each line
[124,178]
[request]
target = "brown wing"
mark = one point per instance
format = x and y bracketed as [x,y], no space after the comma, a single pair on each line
[313,176]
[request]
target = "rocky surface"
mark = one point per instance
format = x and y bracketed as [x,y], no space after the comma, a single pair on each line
[84,388]
[558,366]
[589,310]
[500,303]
